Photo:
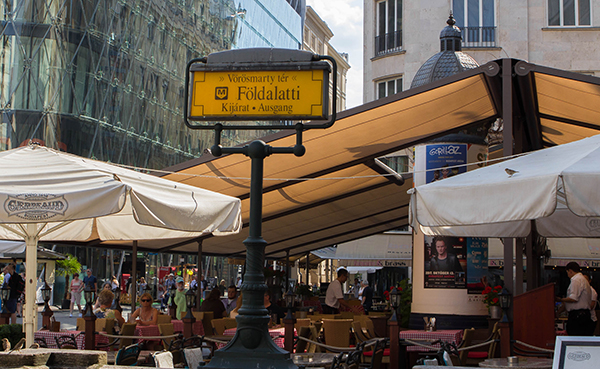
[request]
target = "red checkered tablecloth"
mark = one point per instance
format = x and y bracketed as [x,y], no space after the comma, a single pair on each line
[454,336]
[51,342]
[197,329]
[274,332]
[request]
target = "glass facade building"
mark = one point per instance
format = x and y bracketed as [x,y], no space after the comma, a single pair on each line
[105,78]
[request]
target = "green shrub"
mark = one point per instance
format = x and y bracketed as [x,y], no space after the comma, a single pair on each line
[14,333]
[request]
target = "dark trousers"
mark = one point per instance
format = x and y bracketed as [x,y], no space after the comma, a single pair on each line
[580,323]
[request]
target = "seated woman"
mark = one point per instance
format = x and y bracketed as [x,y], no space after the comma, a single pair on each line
[146,315]
[105,299]
[213,303]
[105,286]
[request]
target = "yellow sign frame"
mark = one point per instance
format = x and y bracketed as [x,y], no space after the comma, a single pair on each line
[279,93]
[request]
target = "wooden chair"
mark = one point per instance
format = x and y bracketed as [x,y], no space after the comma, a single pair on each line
[337,332]
[66,341]
[302,323]
[301,346]
[176,349]
[230,323]
[80,324]
[370,327]
[166,329]
[128,329]
[359,334]
[466,342]
[345,315]
[475,357]
[128,355]
[163,319]
[218,326]
[206,321]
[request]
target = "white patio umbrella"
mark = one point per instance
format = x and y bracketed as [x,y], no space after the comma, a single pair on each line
[556,189]
[47,195]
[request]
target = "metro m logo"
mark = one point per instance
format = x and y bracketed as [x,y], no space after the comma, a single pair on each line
[221,93]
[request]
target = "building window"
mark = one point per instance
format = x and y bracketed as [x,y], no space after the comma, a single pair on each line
[389,87]
[477,21]
[569,13]
[389,27]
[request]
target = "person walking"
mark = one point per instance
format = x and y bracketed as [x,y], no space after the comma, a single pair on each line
[179,298]
[76,287]
[577,303]
[90,280]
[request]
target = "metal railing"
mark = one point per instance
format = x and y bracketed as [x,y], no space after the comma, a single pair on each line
[388,43]
[478,36]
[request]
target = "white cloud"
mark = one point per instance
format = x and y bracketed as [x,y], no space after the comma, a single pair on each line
[345,19]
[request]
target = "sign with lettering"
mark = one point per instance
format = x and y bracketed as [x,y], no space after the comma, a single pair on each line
[259,94]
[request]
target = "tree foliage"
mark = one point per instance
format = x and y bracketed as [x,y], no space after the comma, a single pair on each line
[68,266]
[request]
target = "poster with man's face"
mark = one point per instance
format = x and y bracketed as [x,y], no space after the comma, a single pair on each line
[445,262]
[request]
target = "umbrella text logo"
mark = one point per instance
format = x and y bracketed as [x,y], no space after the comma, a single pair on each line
[593,224]
[35,206]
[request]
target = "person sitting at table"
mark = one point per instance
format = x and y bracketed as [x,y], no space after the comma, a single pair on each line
[273,309]
[145,315]
[106,298]
[106,286]
[238,305]
[213,303]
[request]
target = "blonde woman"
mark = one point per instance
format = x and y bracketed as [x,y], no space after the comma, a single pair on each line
[106,298]
[145,315]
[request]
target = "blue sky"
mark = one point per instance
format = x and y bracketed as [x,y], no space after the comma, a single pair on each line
[345,19]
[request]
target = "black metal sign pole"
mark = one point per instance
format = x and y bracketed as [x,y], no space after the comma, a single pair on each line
[252,346]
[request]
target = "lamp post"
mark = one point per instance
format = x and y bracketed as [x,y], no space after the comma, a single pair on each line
[5,315]
[173,306]
[395,349]
[117,300]
[90,318]
[189,319]
[505,324]
[47,312]
[289,321]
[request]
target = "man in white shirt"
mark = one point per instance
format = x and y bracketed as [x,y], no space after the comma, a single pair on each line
[577,303]
[335,295]
[593,303]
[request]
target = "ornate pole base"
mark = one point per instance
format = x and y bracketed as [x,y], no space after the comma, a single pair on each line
[252,347]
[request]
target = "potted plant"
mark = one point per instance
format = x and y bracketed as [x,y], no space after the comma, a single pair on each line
[304,291]
[492,301]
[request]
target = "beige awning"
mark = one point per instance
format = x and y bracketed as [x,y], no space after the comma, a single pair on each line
[337,192]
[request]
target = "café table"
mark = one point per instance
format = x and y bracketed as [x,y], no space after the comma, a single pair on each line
[276,333]
[316,359]
[524,362]
[48,336]
[197,328]
[425,337]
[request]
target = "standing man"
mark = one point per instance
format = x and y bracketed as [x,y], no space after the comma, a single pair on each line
[334,297]
[90,280]
[180,298]
[367,296]
[169,282]
[16,284]
[592,305]
[577,303]
[230,301]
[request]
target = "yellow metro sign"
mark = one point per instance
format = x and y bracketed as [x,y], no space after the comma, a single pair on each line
[285,94]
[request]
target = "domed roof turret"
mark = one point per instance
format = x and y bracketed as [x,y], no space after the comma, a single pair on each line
[449,61]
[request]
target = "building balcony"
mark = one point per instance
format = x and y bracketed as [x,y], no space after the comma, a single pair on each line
[388,43]
[474,37]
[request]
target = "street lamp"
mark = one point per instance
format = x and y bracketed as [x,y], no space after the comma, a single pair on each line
[88,294]
[4,295]
[190,298]
[173,306]
[47,312]
[117,300]
[290,297]
[395,297]
[505,301]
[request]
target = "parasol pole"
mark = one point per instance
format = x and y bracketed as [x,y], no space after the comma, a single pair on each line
[30,307]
